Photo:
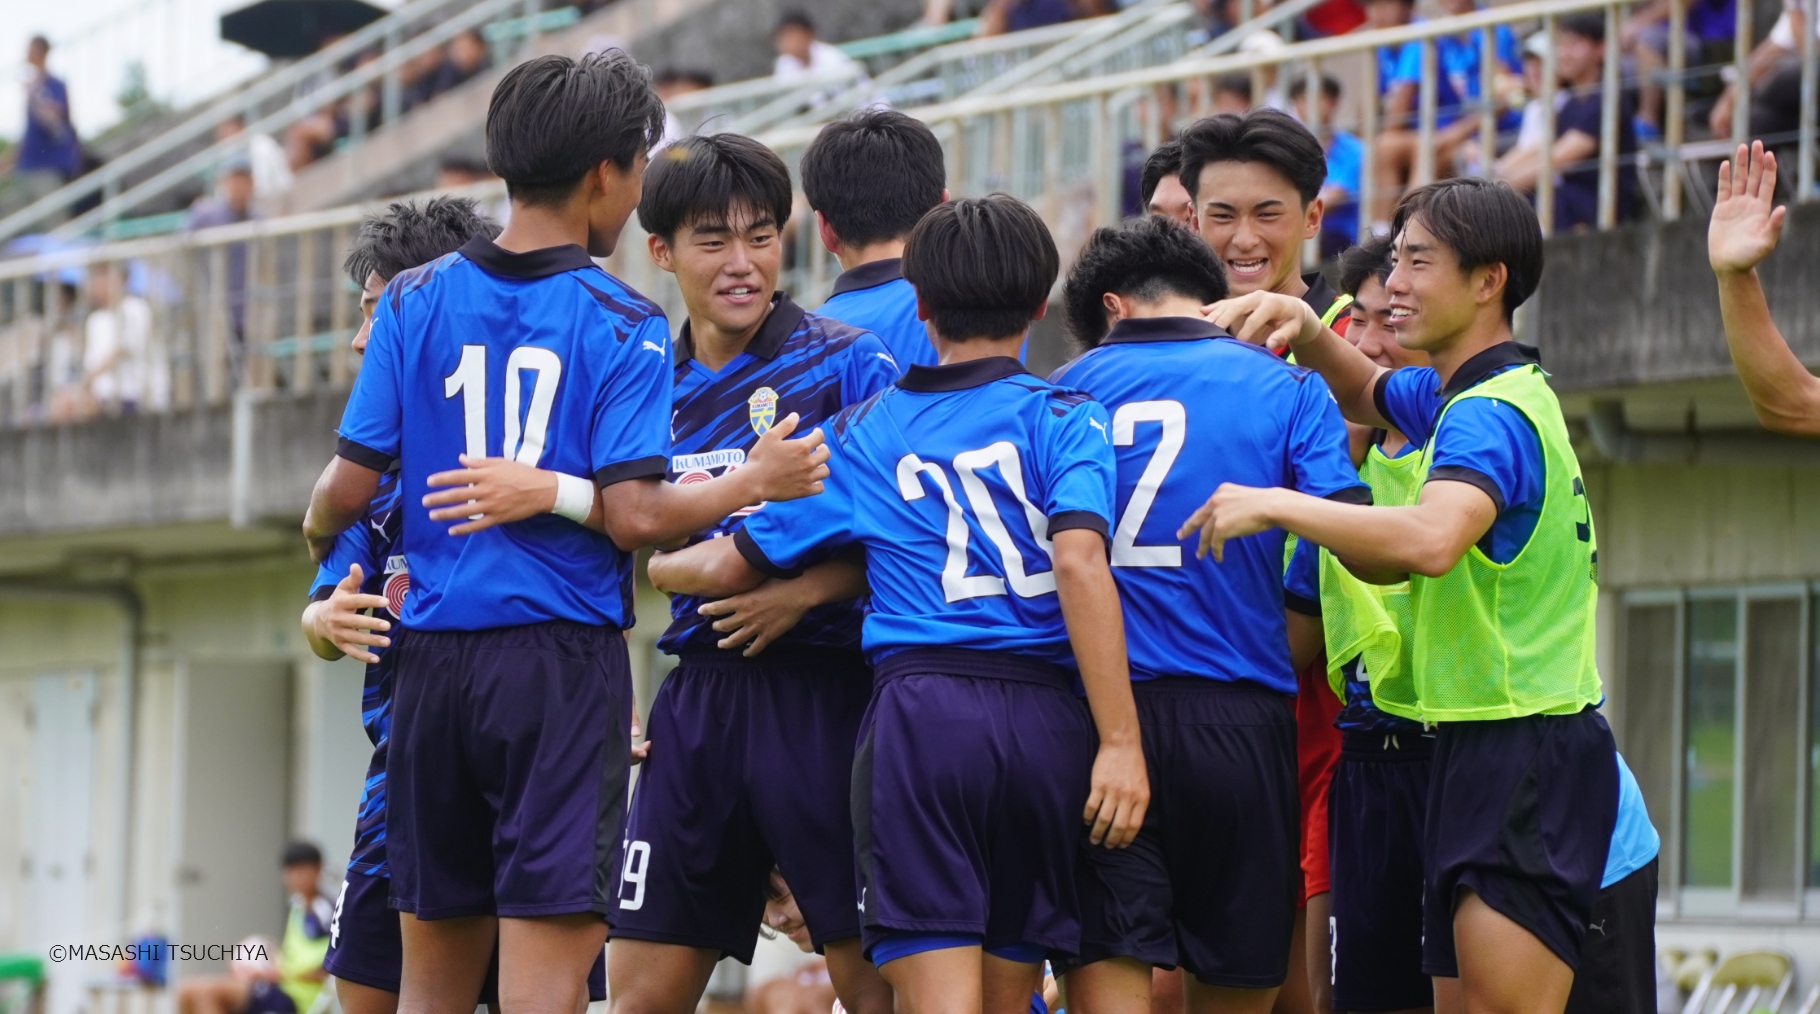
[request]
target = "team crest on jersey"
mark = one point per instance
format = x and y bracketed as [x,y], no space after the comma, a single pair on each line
[761,408]
[397,583]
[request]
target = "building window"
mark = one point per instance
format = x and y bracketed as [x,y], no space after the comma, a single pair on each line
[1711,742]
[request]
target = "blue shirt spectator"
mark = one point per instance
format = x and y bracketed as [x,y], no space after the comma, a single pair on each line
[49,141]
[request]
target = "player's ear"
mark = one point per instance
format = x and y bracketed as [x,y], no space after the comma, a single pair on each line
[826,231]
[1489,281]
[1041,311]
[1316,210]
[660,253]
[922,313]
[1115,307]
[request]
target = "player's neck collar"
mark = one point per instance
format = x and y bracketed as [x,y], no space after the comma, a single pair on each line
[865,276]
[541,263]
[1492,360]
[785,317]
[960,376]
[1162,329]
[1320,295]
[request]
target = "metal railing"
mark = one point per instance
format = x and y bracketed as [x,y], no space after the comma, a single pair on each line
[246,103]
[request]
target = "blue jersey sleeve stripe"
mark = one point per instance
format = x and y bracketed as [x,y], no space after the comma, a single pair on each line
[364,456]
[1360,495]
[637,468]
[321,592]
[749,548]
[1379,401]
[1472,477]
[1062,521]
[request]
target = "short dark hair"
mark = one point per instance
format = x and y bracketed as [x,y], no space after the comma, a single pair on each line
[1266,136]
[1585,24]
[677,75]
[1330,87]
[1237,82]
[463,162]
[553,119]
[1483,222]
[410,233]
[795,19]
[300,853]
[706,179]
[1147,259]
[38,42]
[982,266]
[1166,160]
[1370,259]
[874,174]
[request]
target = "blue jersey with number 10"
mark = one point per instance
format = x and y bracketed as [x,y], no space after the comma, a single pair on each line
[538,356]
[955,480]
[1191,409]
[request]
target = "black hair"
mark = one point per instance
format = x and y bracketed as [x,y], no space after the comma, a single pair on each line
[709,180]
[1266,136]
[1330,87]
[676,75]
[1370,259]
[794,19]
[1483,222]
[1585,24]
[1166,160]
[38,42]
[1237,83]
[409,233]
[553,119]
[1147,259]
[982,266]
[874,175]
[461,162]
[300,853]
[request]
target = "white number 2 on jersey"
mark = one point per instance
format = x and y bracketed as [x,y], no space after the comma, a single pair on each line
[524,437]
[1125,550]
[956,585]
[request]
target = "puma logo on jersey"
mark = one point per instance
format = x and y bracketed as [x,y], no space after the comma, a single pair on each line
[654,347]
[886,358]
[1095,423]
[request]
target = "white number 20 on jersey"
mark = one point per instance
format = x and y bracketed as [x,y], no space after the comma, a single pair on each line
[525,428]
[956,585]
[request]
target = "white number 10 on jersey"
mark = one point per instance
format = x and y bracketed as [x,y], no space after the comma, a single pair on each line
[524,437]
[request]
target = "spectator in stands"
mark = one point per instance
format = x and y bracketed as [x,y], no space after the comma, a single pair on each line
[1345,166]
[272,175]
[1232,93]
[1334,17]
[1160,186]
[1001,16]
[1711,27]
[669,83]
[418,77]
[801,55]
[467,57]
[231,202]
[1774,74]
[293,985]
[1457,104]
[1579,58]
[64,396]
[116,362]
[49,154]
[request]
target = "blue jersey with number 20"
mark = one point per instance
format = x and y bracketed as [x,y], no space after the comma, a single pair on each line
[955,480]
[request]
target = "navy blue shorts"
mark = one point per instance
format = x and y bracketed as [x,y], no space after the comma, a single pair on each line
[1212,879]
[365,947]
[751,766]
[1520,812]
[1375,810]
[266,998]
[508,762]
[968,788]
[1617,973]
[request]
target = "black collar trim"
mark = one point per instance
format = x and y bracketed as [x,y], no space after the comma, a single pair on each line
[784,319]
[867,275]
[1162,329]
[1475,370]
[960,376]
[541,263]
[1320,295]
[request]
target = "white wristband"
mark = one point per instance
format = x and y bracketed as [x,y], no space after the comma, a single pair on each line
[574,498]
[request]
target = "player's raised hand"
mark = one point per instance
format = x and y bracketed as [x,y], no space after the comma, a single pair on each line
[1746,223]
[1118,795]
[758,617]
[1231,512]
[339,620]
[1270,319]
[498,490]
[783,469]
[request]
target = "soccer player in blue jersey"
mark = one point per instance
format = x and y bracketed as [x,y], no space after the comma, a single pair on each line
[870,178]
[982,497]
[1498,547]
[755,753]
[507,763]
[1210,660]
[359,590]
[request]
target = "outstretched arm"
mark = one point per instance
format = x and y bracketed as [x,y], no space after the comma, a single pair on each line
[710,569]
[754,619]
[1744,230]
[342,494]
[1275,321]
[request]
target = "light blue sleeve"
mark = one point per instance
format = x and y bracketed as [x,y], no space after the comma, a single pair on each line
[354,545]
[783,537]
[1319,459]
[870,369]
[1634,841]
[1409,398]
[375,409]
[630,435]
[1080,469]
[1345,163]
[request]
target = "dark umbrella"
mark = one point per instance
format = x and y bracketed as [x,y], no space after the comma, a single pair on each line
[295,27]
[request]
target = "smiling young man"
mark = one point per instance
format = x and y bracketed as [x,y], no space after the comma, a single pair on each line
[509,748]
[982,498]
[1499,553]
[753,755]
[1160,187]
[1210,660]
[1255,181]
